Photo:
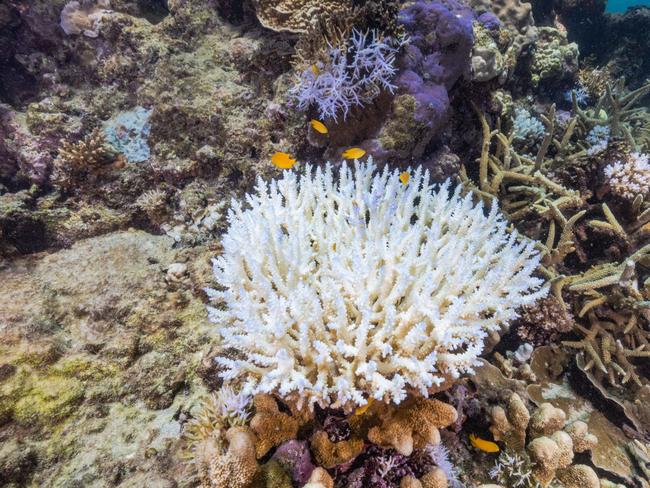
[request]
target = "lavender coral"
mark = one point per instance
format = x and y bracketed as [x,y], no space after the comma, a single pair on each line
[338,289]
[352,77]
[438,54]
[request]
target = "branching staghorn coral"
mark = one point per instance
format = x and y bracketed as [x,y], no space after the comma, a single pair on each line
[616,108]
[337,290]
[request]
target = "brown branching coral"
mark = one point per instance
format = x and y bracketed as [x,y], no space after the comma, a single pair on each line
[234,467]
[617,109]
[413,425]
[509,424]
[271,426]
[615,306]
[88,157]
[297,15]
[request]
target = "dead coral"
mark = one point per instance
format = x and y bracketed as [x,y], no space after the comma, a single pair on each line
[234,468]
[297,15]
[329,454]
[271,426]
[412,425]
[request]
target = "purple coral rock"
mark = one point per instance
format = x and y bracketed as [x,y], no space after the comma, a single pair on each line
[295,459]
[489,21]
[441,39]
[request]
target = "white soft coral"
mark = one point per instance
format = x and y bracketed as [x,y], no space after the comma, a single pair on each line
[337,291]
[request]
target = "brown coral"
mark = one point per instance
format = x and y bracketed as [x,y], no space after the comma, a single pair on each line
[578,476]
[432,479]
[80,159]
[541,323]
[582,439]
[297,15]
[235,468]
[413,424]
[330,454]
[546,420]
[510,426]
[271,426]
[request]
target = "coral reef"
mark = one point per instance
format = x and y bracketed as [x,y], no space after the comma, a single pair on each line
[332,363]
[383,323]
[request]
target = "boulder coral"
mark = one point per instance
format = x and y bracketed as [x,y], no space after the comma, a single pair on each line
[543,446]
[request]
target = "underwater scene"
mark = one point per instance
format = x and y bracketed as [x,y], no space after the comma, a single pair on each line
[324,244]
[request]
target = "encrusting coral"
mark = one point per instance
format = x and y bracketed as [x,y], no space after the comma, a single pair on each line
[412,425]
[340,291]
[271,426]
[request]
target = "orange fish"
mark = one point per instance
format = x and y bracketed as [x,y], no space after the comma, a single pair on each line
[404,177]
[362,409]
[483,445]
[319,126]
[283,160]
[353,153]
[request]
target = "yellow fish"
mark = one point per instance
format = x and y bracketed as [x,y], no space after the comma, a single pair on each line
[319,126]
[353,153]
[315,70]
[361,410]
[404,177]
[283,160]
[483,445]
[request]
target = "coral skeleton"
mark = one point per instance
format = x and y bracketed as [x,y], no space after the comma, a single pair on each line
[335,290]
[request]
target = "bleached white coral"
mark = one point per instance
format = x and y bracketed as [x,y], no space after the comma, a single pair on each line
[340,289]
[629,177]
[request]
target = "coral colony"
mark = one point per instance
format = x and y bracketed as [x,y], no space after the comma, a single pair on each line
[352,77]
[324,244]
[340,288]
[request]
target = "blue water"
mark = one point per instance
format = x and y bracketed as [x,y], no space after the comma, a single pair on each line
[622,5]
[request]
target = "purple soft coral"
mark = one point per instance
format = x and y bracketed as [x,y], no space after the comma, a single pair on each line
[432,64]
[294,457]
[352,77]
